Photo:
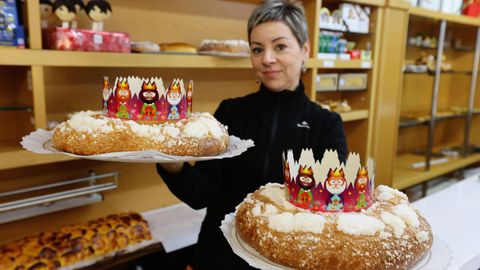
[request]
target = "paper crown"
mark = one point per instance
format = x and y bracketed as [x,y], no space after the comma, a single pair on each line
[329,185]
[146,100]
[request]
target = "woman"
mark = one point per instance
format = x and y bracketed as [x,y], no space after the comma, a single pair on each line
[277,117]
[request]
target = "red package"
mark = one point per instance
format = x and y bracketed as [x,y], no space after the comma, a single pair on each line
[88,40]
[472,9]
[355,54]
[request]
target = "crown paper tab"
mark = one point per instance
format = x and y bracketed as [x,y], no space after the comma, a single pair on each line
[146,99]
[329,185]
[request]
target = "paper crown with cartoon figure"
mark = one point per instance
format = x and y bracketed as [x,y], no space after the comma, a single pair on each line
[146,100]
[329,185]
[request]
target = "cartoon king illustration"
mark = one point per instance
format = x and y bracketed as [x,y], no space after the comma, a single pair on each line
[306,182]
[106,94]
[189,98]
[174,96]
[148,95]
[335,184]
[361,185]
[122,95]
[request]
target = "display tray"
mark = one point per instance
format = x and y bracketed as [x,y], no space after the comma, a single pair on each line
[224,54]
[438,257]
[119,258]
[40,142]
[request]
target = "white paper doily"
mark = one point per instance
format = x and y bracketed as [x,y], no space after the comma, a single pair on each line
[224,54]
[40,142]
[437,258]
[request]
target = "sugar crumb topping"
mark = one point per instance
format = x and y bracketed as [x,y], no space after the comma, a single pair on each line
[422,236]
[359,224]
[198,126]
[395,222]
[407,214]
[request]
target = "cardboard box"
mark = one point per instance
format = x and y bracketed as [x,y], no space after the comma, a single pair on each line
[356,17]
[452,6]
[352,81]
[87,40]
[326,82]
[413,2]
[430,4]
[10,30]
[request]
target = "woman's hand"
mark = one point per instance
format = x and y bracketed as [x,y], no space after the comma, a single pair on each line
[172,168]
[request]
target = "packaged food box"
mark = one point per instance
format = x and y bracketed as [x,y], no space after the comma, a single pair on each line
[352,81]
[326,82]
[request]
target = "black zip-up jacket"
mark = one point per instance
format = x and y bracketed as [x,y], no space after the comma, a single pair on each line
[276,122]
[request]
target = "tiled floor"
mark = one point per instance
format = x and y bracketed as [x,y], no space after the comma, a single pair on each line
[414,193]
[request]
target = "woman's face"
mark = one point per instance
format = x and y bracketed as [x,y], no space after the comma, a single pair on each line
[276,55]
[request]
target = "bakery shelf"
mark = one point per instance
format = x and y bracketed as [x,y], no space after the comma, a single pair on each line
[104,59]
[343,64]
[16,107]
[432,73]
[354,115]
[461,19]
[13,156]
[405,176]
[445,116]
[360,2]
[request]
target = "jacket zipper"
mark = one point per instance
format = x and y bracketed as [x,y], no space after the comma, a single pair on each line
[270,141]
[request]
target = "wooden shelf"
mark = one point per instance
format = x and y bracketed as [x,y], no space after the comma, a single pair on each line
[444,116]
[354,115]
[343,64]
[461,19]
[405,175]
[360,2]
[13,155]
[27,57]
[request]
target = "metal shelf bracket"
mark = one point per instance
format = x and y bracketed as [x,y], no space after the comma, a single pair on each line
[86,191]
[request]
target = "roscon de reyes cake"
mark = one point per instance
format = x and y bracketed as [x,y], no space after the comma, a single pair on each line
[328,216]
[139,114]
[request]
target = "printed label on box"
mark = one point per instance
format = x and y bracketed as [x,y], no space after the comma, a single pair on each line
[97,39]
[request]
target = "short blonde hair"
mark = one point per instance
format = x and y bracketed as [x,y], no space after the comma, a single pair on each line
[290,12]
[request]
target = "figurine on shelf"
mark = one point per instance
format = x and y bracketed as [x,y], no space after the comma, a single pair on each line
[65,11]
[46,10]
[98,11]
[79,9]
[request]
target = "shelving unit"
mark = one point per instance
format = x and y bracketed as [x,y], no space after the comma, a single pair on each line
[431,95]
[359,122]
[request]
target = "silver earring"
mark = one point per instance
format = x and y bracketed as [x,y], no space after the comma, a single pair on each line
[304,67]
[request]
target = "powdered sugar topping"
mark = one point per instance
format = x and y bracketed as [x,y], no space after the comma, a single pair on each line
[407,214]
[359,224]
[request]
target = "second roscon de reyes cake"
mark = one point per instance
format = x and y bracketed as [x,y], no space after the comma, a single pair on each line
[329,216]
[139,114]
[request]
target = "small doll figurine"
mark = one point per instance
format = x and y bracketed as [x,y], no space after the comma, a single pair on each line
[46,10]
[65,11]
[98,11]
[79,8]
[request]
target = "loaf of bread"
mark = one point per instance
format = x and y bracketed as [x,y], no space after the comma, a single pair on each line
[229,46]
[388,235]
[76,243]
[145,47]
[91,133]
[179,47]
